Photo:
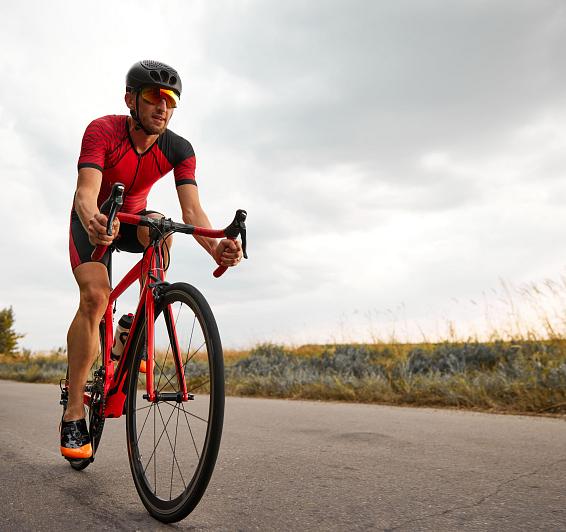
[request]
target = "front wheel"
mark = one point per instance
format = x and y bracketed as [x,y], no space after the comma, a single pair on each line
[173,444]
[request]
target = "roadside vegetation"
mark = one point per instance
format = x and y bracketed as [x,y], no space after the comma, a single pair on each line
[519,370]
[502,376]
[527,377]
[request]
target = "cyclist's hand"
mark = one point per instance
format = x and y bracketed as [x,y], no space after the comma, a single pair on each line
[97,230]
[228,252]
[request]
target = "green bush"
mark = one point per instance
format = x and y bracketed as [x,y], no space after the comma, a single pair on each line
[8,337]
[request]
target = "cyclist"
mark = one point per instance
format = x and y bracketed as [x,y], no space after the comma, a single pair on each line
[136,150]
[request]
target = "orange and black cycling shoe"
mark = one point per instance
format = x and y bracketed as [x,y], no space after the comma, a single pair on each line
[75,440]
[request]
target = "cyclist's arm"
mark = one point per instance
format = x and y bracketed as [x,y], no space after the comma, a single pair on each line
[224,252]
[88,187]
[193,214]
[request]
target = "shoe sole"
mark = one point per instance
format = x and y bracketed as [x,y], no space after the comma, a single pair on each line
[77,453]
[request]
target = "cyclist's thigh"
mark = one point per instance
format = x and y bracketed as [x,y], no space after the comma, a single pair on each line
[80,249]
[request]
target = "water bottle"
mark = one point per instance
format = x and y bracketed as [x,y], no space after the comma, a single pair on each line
[120,336]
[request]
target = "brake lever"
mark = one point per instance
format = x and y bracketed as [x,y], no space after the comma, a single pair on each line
[112,205]
[244,242]
[235,229]
[240,218]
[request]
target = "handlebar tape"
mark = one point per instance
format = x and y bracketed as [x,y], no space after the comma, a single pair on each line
[219,271]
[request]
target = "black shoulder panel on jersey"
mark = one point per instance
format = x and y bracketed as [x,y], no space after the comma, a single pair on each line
[175,147]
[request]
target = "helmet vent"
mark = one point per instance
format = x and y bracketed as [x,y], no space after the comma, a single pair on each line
[173,80]
[154,74]
[152,64]
[164,76]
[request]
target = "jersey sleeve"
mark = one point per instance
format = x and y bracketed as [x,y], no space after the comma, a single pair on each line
[184,172]
[180,155]
[94,146]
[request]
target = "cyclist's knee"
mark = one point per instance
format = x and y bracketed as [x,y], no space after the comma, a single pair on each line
[94,300]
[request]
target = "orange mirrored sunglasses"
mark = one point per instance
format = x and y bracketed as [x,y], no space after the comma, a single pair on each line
[154,95]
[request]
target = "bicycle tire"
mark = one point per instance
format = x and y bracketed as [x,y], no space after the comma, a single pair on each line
[181,448]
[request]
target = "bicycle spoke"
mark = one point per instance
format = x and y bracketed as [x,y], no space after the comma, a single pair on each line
[143,426]
[199,386]
[170,445]
[191,433]
[161,367]
[190,340]
[174,458]
[169,381]
[155,445]
[171,328]
[182,408]
[194,353]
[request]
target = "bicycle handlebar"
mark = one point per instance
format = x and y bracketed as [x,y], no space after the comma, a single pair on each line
[113,204]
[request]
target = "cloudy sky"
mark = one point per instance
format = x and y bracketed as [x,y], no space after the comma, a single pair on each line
[403,163]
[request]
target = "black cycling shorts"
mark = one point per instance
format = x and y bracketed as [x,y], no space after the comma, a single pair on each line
[80,248]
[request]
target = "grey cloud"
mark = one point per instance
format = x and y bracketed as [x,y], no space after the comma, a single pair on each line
[376,83]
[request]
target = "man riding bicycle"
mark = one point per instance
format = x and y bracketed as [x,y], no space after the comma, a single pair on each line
[135,150]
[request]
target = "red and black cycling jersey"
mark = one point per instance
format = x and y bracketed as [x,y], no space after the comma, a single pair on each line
[107,146]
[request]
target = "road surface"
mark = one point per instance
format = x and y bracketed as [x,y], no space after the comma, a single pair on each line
[298,465]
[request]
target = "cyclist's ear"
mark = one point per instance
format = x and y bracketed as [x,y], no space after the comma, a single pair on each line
[130,100]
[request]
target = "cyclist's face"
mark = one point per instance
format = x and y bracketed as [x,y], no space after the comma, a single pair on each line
[153,116]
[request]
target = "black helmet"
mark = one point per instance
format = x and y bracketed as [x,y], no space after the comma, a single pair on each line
[149,72]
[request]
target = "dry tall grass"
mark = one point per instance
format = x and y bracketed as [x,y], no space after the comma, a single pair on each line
[517,364]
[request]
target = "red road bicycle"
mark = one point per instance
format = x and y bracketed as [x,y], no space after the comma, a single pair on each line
[175,408]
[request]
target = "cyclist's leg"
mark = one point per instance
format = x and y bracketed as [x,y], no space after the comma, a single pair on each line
[82,338]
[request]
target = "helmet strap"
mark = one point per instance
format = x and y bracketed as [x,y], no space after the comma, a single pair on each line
[137,121]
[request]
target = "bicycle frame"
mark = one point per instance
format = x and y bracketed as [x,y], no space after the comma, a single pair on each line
[150,270]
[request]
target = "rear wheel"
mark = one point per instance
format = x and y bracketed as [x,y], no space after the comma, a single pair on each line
[173,444]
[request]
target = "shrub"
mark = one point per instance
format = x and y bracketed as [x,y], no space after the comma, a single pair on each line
[8,337]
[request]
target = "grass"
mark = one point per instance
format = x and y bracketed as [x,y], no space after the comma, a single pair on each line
[515,377]
[519,367]
[500,376]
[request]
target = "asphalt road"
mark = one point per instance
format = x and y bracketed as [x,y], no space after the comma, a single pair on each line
[297,465]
